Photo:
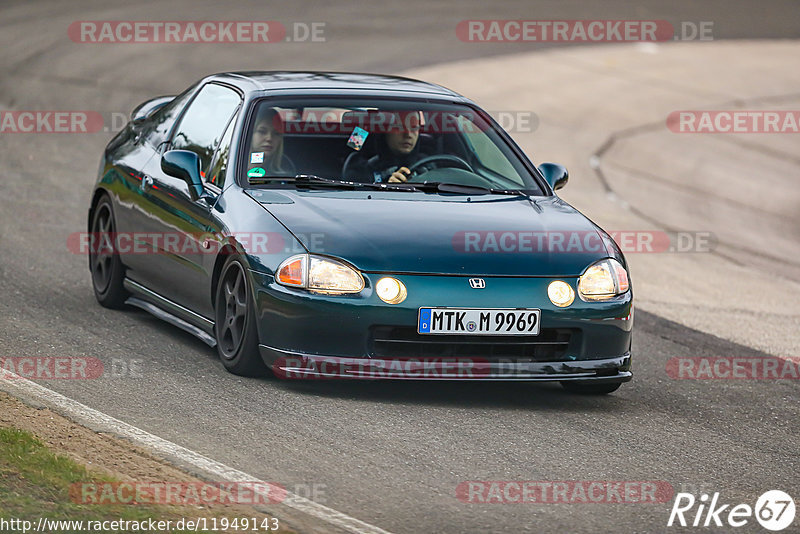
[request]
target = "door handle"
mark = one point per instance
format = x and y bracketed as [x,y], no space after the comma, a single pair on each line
[147,182]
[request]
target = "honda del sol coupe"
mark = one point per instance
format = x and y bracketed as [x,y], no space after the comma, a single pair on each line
[340,225]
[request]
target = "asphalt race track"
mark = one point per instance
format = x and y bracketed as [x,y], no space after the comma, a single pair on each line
[389,454]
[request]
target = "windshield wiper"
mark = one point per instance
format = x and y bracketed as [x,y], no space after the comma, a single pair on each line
[297,178]
[311,179]
[439,187]
[445,187]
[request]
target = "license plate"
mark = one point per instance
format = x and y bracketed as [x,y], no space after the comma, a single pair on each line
[487,322]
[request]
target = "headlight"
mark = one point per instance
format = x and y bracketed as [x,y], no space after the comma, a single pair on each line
[322,275]
[604,280]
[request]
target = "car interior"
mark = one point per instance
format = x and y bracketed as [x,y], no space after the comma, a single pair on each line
[315,150]
[317,141]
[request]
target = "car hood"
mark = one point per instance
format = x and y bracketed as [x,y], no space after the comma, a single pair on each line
[402,232]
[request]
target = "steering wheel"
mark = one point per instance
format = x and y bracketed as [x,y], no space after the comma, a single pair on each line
[347,163]
[412,170]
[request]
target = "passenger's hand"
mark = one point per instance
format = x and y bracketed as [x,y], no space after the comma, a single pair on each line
[400,175]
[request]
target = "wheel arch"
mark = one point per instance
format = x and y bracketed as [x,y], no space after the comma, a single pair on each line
[223,255]
[96,196]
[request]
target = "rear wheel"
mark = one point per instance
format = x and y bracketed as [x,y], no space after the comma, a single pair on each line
[235,325]
[588,388]
[107,270]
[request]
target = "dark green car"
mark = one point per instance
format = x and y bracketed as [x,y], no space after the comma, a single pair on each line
[332,225]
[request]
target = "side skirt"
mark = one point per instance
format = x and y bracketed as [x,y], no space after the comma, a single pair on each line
[171,312]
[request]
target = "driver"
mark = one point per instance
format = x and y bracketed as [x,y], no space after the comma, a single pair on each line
[398,149]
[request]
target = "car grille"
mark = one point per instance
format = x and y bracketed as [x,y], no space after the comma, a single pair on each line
[393,342]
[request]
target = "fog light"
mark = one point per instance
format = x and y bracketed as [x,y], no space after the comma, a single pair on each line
[561,293]
[391,290]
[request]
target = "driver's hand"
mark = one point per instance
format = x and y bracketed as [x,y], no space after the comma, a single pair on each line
[400,175]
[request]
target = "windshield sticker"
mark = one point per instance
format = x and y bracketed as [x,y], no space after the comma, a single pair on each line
[357,138]
[256,172]
[257,157]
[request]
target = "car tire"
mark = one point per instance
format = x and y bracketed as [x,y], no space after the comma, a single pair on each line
[105,265]
[589,388]
[235,321]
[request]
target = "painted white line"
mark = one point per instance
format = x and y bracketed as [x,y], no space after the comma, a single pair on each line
[19,386]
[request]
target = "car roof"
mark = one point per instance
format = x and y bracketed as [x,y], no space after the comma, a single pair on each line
[252,81]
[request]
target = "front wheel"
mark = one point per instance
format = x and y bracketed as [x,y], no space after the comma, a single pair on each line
[235,326]
[588,388]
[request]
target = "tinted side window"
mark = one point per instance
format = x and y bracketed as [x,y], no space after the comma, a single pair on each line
[202,126]
[160,123]
[216,175]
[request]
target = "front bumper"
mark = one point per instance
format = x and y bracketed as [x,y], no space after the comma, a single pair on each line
[293,365]
[304,335]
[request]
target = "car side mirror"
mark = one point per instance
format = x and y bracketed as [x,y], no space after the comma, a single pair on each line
[184,164]
[555,174]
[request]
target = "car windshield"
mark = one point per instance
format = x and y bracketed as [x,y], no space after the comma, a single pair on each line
[380,141]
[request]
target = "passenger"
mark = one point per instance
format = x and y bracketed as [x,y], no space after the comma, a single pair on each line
[266,146]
